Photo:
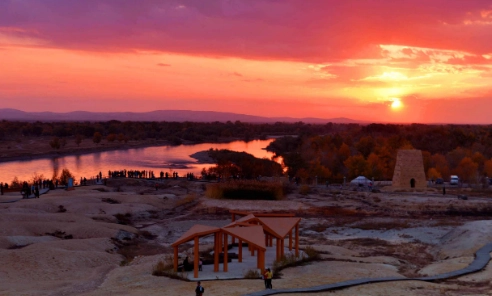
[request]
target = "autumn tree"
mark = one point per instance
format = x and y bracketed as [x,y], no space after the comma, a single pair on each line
[487,168]
[433,174]
[356,166]
[78,139]
[97,138]
[111,138]
[55,143]
[344,152]
[65,175]
[439,162]
[374,167]
[365,145]
[467,170]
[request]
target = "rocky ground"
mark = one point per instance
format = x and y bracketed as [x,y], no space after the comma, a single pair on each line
[99,240]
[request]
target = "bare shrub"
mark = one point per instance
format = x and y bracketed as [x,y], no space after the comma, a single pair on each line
[124,219]
[147,234]
[247,190]
[252,274]
[165,267]
[320,227]
[110,201]
[305,189]
[186,200]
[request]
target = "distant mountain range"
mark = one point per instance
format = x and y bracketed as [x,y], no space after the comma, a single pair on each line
[158,115]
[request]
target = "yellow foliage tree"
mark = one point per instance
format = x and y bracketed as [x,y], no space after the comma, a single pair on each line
[467,170]
[487,168]
[433,173]
[356,166]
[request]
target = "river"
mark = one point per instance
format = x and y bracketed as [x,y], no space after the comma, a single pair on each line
[161,158]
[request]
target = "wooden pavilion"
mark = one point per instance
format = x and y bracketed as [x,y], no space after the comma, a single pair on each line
[256,229]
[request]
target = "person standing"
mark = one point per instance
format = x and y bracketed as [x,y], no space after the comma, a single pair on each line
[265,278]
[199,289]
[269,278]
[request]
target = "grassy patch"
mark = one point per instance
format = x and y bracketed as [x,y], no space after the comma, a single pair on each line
[246,190]
[186,200]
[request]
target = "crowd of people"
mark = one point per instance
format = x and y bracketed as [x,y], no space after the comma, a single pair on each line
[33,189]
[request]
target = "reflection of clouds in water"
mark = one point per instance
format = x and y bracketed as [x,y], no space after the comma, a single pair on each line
[96,156]
[165,158]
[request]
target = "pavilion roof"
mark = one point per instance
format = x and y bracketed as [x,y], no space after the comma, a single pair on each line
[244,219]
[252,234]
[196,230]
[280,226]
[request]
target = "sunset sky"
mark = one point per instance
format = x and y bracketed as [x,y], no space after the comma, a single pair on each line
[427,61]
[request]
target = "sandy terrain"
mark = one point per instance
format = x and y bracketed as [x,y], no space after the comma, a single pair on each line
[100,240]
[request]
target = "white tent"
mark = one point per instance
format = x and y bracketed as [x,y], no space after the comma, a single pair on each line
[360,180]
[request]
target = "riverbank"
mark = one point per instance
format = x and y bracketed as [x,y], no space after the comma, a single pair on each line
[202,157]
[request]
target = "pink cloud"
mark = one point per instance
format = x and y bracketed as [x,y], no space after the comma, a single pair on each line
[322,31]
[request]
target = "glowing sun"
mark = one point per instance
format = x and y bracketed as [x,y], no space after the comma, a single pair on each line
[397,104]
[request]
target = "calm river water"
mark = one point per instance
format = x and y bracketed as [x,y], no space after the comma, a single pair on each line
[161,158]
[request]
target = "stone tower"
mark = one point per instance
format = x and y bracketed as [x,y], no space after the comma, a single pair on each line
[409,170]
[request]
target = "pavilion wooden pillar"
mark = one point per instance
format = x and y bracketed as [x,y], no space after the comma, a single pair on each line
[240,251]
[176,258]
[233,219]
[271,240]
[216,251]
[197,257]
[220,243]
[225,252]
[252,250]
[258,258]
[282,241]
[261,253]
[278,249]
[266,239]
[297,240]
[290,240]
